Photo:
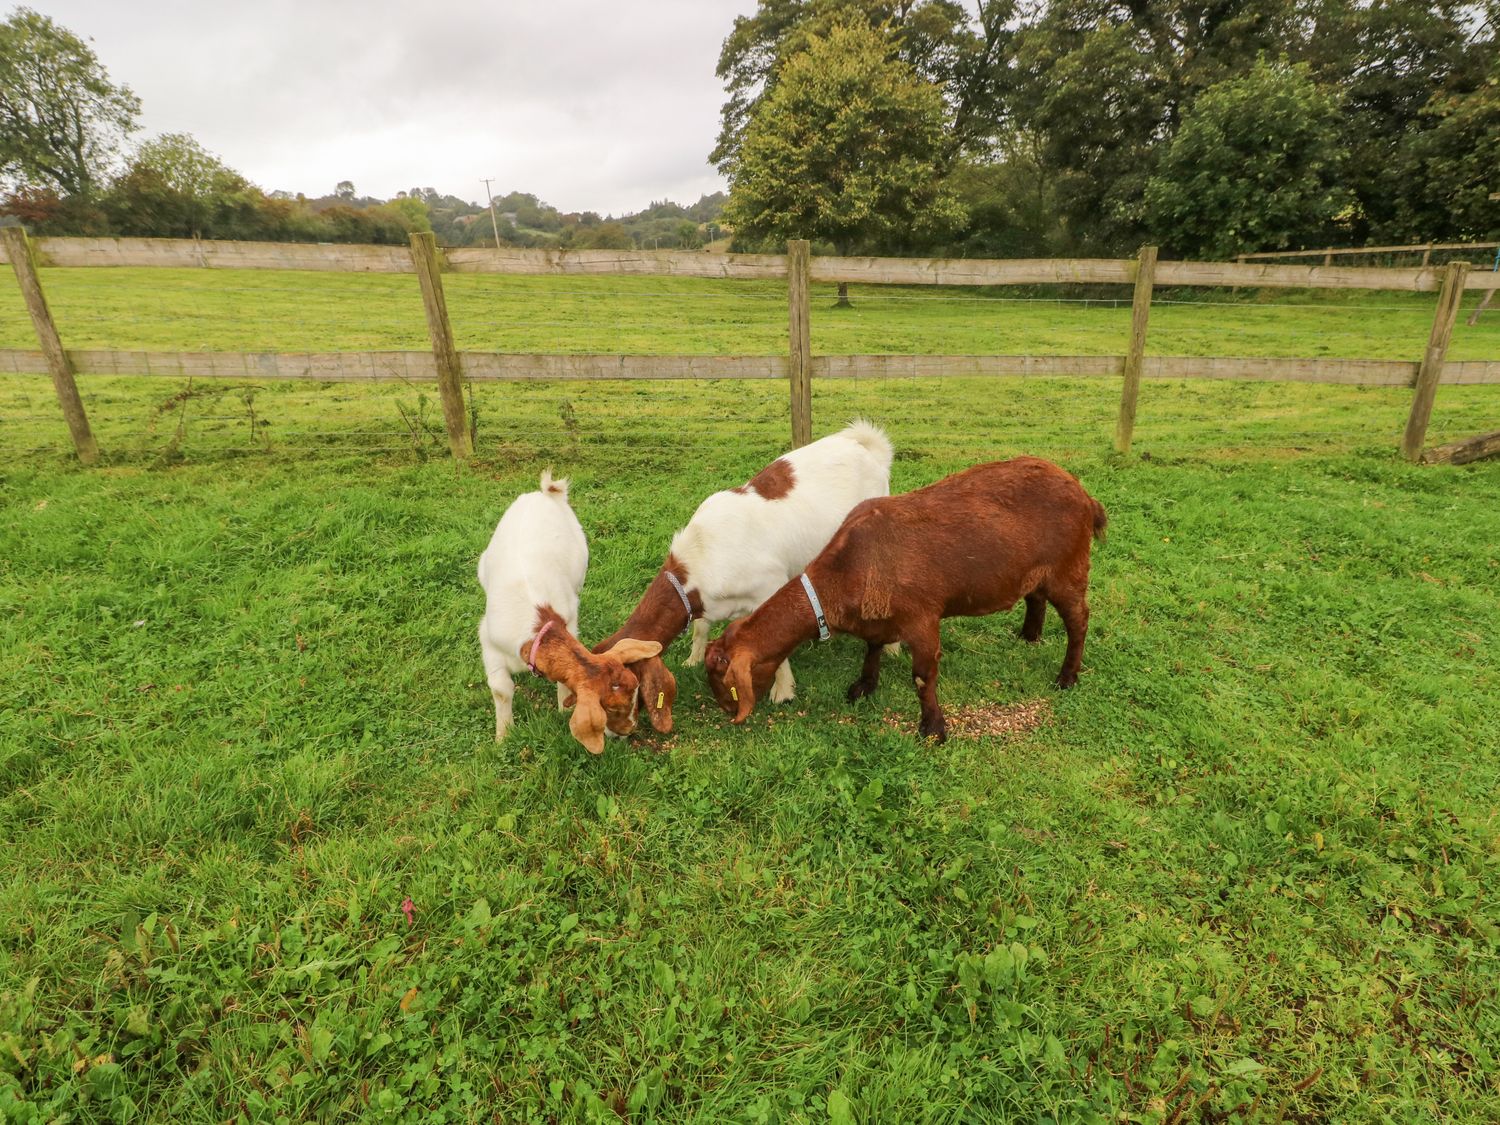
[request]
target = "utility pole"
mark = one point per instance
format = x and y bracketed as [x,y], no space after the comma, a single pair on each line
[494,224]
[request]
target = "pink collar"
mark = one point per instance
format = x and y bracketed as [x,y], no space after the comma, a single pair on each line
[536,643]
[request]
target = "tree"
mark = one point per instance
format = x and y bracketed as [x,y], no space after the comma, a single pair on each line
[61,119]
[845,148]
[1256,165]
[174,187]
[967,58]
[605,236]
[412,211]
[1456,165]
[344,190]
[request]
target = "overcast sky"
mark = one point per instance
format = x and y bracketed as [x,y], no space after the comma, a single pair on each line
[589,104]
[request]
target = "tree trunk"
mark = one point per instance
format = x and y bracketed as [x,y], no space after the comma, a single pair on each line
[843,301]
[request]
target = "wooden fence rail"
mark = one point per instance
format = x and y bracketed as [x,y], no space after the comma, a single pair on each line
[1328,253]
[451,368]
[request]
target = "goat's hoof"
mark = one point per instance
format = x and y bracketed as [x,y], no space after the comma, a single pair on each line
[780,694]
[937,730]
[1066,680]
[858,690]
[694,659]
[1030,638]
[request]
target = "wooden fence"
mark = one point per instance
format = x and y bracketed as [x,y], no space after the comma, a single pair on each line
[1327,254]
[450,368]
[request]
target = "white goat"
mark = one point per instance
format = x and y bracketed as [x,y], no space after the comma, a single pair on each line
[531,573]
[745,543]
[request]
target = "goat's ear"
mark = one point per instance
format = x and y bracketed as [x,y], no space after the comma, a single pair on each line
[628,651]
[658,692]
[742,687]
[587,723]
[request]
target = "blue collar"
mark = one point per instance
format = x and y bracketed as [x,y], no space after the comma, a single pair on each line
[817,608]
[683,594]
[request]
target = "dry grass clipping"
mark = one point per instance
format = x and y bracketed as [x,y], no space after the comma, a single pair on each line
[984,720]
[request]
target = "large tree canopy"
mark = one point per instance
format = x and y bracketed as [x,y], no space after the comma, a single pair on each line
[1253,166]
[845,148]
[966,57]
[62,120]
[1079,105]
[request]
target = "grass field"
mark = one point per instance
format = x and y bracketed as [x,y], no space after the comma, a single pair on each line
[283,311]
[1247,870]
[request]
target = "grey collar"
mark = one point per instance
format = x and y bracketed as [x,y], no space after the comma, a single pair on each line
[683,594]
[817,608]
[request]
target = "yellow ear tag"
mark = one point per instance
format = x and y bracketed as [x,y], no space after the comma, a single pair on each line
[733,694]
[661,697]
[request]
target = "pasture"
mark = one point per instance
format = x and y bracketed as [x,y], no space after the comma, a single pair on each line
[1246,870]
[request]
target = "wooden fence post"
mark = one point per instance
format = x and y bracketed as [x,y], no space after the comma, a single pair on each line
[18,249]
[1135,358]
[799,332]
[449,369]
[1449,298]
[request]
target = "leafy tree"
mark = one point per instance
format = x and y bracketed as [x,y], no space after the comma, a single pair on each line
[1456,165]
[966,57]
[1012,204]
[174,187]
[344,190]
[605,236]
[845,148]
[412,211]
[1387,60]
[1255,164]
[61,119]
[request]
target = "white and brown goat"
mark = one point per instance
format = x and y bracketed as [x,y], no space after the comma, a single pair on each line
[743,543]
[532,572]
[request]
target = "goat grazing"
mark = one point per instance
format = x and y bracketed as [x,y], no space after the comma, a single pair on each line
[743,543]
[531,573]
[972,544]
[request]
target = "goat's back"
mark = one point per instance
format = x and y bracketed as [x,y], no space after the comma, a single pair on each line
[538,552]
[787,513]
[972,542]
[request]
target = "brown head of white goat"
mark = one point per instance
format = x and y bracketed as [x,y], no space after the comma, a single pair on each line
[532,572]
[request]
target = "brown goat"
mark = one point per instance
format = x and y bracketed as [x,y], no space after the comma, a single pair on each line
[972,544]
[660,617]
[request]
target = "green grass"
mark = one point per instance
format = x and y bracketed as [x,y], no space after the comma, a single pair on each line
[1248,866]
[1248,869]
[284,311]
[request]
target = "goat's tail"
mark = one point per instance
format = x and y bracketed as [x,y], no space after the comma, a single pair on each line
[550,487]
[872,437]
[1101,519]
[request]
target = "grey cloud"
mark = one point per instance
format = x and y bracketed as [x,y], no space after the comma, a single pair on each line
[589,104]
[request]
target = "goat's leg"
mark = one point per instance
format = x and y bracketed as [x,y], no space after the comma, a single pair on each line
[869,674]
[784,686]
[1036,610]
[563,691]
[502,687]
[925,652]
[700,642]
[1074,611]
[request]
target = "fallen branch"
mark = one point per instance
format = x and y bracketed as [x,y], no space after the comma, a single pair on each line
[1462,452]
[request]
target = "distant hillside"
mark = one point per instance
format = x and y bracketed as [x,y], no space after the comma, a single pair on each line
[524,220]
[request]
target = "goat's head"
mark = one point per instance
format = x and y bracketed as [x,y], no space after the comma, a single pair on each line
[736,677]
[604,693]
